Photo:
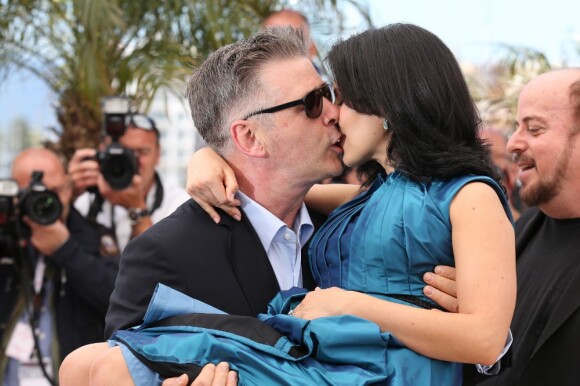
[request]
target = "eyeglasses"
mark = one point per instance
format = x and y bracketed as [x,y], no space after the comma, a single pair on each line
[141,121]
[312,102]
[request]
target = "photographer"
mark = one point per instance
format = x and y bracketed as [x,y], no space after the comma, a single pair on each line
[56,278]
[132,210]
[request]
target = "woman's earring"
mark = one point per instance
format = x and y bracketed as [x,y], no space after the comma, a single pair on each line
[385,124]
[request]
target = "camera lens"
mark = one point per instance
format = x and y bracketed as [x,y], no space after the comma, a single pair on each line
[42,207]
[118,171]
[118,165]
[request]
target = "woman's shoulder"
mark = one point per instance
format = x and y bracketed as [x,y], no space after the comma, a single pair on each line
[447,189]
[439,194]
[474,188]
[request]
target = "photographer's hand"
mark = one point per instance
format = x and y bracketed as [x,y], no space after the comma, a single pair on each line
[47,239]
[83,172]
[131,198]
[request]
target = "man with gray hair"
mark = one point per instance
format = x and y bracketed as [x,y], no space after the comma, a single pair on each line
[261,104]
[276,157]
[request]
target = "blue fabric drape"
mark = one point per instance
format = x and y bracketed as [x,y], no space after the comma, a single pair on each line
[305,353]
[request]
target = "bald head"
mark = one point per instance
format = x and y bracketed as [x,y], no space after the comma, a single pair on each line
[33,159]
[293,19]
[286,17]
[546,143]
[48,162]
[557,78]
[558,91]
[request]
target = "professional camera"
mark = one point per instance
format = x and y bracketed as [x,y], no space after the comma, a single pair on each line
[117,163]
[36,201]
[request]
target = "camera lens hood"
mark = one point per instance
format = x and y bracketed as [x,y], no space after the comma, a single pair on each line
[43,207]
[118,166]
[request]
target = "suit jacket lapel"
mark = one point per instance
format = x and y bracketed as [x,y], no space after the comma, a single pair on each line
[250,264]
[307,279]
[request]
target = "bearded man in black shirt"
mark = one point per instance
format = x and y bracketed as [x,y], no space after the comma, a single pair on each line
[546,323]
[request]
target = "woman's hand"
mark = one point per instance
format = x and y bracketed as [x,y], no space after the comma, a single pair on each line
[210,375]
[212,182]
[325,302]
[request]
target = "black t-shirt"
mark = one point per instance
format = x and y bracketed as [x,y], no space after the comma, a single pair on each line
[544,270]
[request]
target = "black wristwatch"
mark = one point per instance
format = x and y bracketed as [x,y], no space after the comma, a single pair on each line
[136,214]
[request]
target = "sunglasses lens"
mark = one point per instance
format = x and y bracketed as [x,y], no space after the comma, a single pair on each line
[140,121]
[313,104]
[314,100]
[328,93]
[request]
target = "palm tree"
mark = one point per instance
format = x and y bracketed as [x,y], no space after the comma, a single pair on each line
[87,49]
[496,87]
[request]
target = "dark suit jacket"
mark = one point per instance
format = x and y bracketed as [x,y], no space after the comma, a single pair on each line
[556,357]
[222,264]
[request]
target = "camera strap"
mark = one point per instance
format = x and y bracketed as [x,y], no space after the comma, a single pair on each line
[34,293]
[158,194]
[98,200]
[36,282]
[96,206]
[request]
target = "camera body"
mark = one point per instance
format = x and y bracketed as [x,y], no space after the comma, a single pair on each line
[117,163]
[36,201]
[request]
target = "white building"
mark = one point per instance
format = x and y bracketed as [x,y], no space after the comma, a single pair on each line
[179,137]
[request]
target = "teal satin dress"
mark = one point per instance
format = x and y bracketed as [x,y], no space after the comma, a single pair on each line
[382,243]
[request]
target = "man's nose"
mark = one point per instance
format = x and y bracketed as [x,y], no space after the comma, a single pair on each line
[330,112]
[515,143]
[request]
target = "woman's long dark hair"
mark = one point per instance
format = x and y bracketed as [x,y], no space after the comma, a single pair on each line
[407,75]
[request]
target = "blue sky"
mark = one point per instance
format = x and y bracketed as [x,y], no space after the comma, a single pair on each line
[471,28]
[474,28]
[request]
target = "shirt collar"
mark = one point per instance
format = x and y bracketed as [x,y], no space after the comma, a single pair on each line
[267,225]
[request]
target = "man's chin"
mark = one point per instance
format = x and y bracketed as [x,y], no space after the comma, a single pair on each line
[537,194]
[337,169]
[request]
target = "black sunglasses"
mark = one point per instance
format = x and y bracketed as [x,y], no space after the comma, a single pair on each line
[141,121]
[312,103]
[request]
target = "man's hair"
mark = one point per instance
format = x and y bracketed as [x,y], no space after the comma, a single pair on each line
[227,85]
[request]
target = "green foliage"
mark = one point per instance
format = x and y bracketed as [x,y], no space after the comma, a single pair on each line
[87,49]
[496,87]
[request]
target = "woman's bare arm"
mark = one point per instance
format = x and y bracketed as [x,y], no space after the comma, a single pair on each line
[211,182]
[324,198]
[484,250]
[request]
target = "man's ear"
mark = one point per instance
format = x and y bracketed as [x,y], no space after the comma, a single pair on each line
[247,138]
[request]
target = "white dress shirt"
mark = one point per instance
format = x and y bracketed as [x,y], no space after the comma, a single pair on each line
[282,244]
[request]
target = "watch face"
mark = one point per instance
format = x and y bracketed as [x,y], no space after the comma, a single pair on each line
[136,214]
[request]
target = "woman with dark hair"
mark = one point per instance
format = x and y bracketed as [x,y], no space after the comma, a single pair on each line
[404,105]
[412,80]
[442,204]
